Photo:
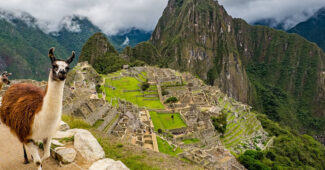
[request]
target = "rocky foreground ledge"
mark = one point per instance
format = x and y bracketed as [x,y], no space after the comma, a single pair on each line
[67,142]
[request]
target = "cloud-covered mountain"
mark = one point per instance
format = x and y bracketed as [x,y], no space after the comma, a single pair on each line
[313,29]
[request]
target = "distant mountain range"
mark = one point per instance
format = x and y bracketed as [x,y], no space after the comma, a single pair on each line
[24,45]
[313,29]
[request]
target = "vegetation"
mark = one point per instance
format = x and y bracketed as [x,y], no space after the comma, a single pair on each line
[24,49]
[164,121]
[290,150]
[74,122]
[109,63]
[220,123]
[171,100]
[145,85]
[191,141]
[164,147]
[128,88]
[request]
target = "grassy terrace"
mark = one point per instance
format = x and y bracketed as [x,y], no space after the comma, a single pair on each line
[164,147]
[236,131]
[190,141]
[136,97]
[164,121]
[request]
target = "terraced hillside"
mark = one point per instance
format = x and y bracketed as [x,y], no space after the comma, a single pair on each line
[243,130]
[201,124]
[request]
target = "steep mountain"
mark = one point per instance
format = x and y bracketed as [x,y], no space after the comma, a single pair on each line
[313,29]
[95,47]
[100,53]
[280,74]
[24,47]
[74,39]
[131,37]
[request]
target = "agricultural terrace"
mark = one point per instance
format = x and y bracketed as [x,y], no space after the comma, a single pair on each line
[165,121]
[128,88]
[164,147]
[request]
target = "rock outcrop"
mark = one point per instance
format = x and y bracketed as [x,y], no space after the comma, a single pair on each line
[88,146]
[65,155]
[108,164]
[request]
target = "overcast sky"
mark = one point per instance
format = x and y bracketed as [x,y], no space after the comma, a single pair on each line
[115,15]
[289,11]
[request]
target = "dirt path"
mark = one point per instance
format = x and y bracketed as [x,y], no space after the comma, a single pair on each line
[11,155]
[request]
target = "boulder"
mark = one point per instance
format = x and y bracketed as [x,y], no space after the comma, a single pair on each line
[57,143]
[64,155]
[88,146]
[66,134]
[108,164]
[63,134]
[63,126]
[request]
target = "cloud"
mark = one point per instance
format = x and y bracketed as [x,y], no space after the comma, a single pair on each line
[290,12]
[126,42]
[109,15]
[113,16]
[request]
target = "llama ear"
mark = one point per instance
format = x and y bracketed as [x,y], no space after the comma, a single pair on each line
[4,73]
[51,54]
[71,58]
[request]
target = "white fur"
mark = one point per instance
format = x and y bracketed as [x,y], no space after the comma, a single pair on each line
[47,120]
[62,65]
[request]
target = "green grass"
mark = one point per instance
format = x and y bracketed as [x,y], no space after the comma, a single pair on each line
[129,83]
[190,141]
[68,139]
[164,121]
[98,123]
[75,122]
[164,147]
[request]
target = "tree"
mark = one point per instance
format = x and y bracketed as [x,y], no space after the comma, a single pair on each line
[145,86]
[220,123]
[171,100]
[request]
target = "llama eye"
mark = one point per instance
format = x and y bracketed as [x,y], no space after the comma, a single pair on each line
[55,67]
[67,68]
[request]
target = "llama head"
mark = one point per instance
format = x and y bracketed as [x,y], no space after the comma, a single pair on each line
[4,77]
[60,67]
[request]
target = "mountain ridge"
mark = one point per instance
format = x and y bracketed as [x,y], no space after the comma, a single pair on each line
[254,64]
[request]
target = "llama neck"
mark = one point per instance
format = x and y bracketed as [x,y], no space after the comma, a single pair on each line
[52,103]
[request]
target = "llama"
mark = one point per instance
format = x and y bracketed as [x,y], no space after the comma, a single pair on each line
[33,114]
[4,79]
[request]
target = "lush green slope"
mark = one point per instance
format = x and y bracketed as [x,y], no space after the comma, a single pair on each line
[24,48]
[289,150]
[280,74]
[313,29]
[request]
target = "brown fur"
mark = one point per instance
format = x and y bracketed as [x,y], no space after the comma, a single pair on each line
[20,103]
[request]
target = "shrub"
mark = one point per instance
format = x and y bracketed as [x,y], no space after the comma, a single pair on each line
[171,100]
[99,89]
[220,123]
[164,92]
[145,86]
